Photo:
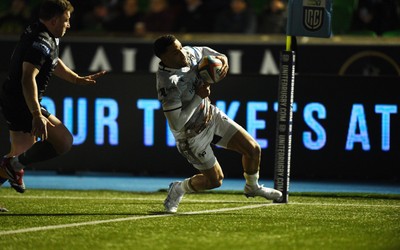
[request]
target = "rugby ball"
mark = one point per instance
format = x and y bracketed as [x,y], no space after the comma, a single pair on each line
[209,69]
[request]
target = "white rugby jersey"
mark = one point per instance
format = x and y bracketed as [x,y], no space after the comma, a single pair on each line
[176,89]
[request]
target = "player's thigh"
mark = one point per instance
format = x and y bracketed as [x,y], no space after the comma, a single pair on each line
[243,142]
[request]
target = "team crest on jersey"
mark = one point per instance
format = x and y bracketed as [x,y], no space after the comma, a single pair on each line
[313,14]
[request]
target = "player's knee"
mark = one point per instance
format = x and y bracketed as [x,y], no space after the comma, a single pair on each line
[254,150]
[216,183]
[66,144]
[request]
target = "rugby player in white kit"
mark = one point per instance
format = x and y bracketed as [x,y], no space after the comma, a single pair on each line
[196,123]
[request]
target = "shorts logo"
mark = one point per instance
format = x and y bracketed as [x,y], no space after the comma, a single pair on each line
[202,154]
[313,14]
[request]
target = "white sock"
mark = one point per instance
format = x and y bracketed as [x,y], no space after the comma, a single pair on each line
[186,187]
[251,179]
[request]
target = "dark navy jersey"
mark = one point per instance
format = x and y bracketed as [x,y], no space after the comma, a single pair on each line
[38,47]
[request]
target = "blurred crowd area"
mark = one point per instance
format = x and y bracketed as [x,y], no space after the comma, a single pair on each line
[139,17]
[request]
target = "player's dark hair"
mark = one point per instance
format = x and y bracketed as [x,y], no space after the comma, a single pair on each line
[52,8]
[161,44]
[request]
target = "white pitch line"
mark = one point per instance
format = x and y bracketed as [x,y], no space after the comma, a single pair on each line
[343,205]
[189,199]
[45,228]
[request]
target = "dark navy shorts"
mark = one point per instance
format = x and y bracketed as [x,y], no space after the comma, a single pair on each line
[17,114]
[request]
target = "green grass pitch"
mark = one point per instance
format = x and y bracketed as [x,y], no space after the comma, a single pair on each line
[48,219]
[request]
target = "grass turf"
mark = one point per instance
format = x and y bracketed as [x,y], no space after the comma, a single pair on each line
[46,219]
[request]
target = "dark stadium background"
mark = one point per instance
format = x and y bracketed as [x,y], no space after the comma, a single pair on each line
[335,75]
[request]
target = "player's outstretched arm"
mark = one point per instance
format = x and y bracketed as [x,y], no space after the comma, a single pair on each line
[90,79]
[64,72]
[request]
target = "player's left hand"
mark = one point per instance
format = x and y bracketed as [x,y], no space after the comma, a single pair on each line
[90,79]
[225,66]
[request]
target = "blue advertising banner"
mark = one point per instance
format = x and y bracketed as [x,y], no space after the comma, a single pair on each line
[343,127]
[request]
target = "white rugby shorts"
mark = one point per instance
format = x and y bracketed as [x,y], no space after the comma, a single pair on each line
[198,151]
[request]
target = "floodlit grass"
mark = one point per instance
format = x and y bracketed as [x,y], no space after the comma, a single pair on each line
[44,219]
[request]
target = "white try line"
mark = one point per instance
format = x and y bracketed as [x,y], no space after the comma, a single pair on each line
[343,204]
[46,228]
[188,200]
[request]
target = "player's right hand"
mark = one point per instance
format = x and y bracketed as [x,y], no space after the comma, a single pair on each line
[39,127]
[203,90]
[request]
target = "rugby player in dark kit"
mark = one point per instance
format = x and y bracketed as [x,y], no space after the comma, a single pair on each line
[35,134]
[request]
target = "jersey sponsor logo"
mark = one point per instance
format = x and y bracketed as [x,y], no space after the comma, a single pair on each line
[41,47]
[192,89]
[44,40]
